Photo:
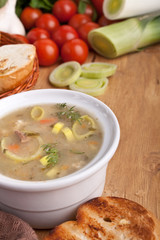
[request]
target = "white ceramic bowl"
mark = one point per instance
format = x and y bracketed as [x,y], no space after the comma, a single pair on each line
[44,204]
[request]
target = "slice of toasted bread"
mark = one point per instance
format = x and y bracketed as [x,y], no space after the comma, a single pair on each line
[16,63]
[107,218]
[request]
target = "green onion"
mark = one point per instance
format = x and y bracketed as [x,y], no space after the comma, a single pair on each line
[120,9]
[124,37]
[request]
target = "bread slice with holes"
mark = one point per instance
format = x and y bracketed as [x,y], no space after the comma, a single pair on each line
[107,218]
[16,63]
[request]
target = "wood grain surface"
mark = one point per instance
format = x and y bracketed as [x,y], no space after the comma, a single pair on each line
[133,94]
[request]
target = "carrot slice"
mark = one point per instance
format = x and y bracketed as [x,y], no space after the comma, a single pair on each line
[13,147]
[48,120]
[93,142]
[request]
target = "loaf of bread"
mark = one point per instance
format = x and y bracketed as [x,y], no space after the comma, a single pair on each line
[16,63]
[107,218]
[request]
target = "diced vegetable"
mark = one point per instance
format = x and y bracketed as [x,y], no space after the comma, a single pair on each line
[37,113]
[15,156]
[53,172]
[98,70]
[13,147]
[93,142]
[124,37]
[94,87]
[85,128]
[57,127]
[118,9]
[44,160]
[65,74]
[68,133]
[48,120]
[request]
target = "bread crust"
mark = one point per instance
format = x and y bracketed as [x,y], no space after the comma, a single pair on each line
[107,218]
[13,74]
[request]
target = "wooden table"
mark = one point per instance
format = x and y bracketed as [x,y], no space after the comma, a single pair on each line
[133,94]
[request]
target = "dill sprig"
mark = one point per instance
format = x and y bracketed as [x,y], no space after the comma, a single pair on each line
[68,112]
[52,153]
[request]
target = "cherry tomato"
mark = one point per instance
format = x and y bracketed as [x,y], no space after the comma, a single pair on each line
[64,10]
[29,16]
[63,34]
[77,1]
[48,22]
[21,38]
[37,33]
[47,51]
[78,19]
[89,10]
[84,30]
[98,6]
[74,50]
[103,21]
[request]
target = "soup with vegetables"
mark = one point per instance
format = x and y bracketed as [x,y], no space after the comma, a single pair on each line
[47,141]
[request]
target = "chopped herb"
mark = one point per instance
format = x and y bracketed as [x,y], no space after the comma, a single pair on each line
[24,163]
[4,150]
[52,153]
[76,152]
[61,105]
[67,112]
[29,134]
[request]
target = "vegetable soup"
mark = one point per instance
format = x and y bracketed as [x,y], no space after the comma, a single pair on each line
[47,141]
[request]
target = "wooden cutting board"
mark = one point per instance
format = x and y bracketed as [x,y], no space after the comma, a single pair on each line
[133,94]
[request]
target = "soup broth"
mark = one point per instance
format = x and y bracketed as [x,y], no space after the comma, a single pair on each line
[47,141]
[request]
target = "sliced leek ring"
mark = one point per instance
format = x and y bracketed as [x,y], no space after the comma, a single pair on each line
[65,74]
[17,158]
[98,70]
[77,125]
[68,133]
[37,113]
[94,87]
[113,7]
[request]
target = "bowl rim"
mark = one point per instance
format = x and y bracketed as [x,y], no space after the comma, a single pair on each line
[71,179]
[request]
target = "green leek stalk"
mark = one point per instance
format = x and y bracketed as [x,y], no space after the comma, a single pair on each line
[126,36]
[120,9]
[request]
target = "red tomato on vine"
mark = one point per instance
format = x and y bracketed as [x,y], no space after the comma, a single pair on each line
[64,10]
[78,19]
[37,33]
[84,30]
[74,50]
[63,34]
[48,22]
[47,51]
[29,16]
